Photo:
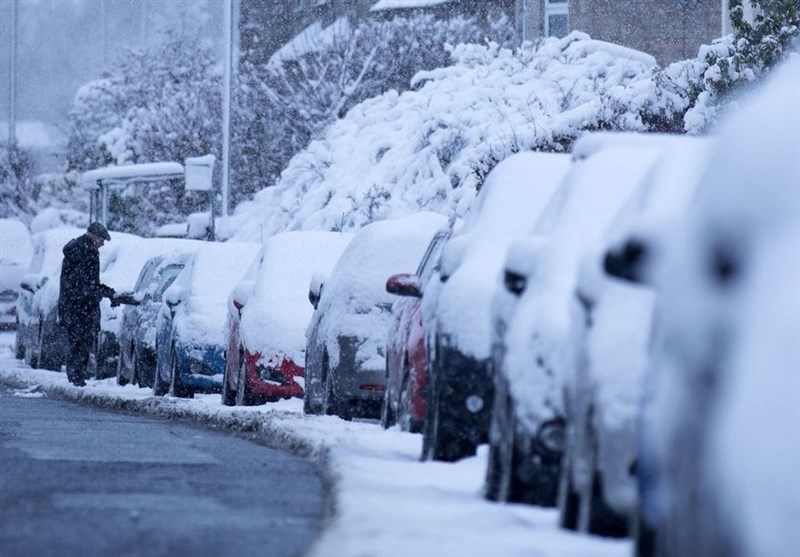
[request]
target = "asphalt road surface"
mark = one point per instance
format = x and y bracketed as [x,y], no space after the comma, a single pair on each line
[78,481]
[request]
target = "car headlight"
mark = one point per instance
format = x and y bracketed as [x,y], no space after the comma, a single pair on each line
[552,437]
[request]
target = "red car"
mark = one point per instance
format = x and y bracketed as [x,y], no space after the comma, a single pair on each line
[406,357]
[267,317]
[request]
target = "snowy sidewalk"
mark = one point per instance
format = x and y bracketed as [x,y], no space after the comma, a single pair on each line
[384,501]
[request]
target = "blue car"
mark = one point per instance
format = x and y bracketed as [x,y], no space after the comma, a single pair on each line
[190,326]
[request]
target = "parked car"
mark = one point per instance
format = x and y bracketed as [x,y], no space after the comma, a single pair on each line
[719,443]
[190,324]
[136,362]
[610,324]
[40,342]
[16,250]
[404,400]
[346,338]
[532,352]
[124,259]
[455,307]
[268,314]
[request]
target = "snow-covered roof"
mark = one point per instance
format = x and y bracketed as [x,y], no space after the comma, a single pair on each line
[34,134]
[132,173]
[384,5]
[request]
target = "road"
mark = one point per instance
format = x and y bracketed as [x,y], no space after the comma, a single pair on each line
[75,480]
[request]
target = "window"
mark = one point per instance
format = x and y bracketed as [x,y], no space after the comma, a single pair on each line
[556,18]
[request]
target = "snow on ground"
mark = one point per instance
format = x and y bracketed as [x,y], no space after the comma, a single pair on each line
[386,502]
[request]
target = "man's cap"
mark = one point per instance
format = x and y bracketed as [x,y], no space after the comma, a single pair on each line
[99,230]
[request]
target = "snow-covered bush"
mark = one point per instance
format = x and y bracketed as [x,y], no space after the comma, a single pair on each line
[733,62]
[322,73]
[431,148]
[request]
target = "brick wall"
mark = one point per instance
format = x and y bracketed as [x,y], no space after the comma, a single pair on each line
[670,30]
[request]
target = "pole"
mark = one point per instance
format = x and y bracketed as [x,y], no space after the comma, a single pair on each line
[226,104]
[12,107]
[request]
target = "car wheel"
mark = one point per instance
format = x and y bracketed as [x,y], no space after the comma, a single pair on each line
[494,469]
[122,380]
[644,536]
[491,490]
[47,356]
[176,386]
[388,418]
[19,347]
[595,516]
[568,499]
[160,387]
[244,394]
[228,394]
[446,443]
[331,404]
[404,417]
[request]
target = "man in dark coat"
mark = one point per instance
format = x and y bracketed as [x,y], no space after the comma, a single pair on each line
[79,299]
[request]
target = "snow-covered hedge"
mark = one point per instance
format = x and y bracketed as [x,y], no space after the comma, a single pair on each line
[431,148]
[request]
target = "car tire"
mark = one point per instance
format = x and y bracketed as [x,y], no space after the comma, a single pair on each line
[644,536]
[388,417]
[121,379]
[244,395]
[491,489]
[595,516]
[332,405]
[446,443]
[228,394]
[176,386]
[19,347]
[404,417]
[568,498]
[47,357]
[160,387]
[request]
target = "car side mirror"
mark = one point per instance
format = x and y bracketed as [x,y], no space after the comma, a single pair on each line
[173,296]
[627,262]
[32,283]
[315,289]
[404,284]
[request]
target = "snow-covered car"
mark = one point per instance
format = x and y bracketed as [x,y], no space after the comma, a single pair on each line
[610,325]
[404,401]
[268,313]
[532,352]
[40,341]
[190,326]
[136,362]
[719,449]
[120,267]
[455,307]
[346,337]
[16,250]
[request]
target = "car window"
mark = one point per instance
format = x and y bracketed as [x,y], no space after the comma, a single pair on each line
[146,274]
[430,261]
[166,277]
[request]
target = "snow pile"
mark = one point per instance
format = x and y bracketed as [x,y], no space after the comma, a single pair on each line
[431,148]
[276,314]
